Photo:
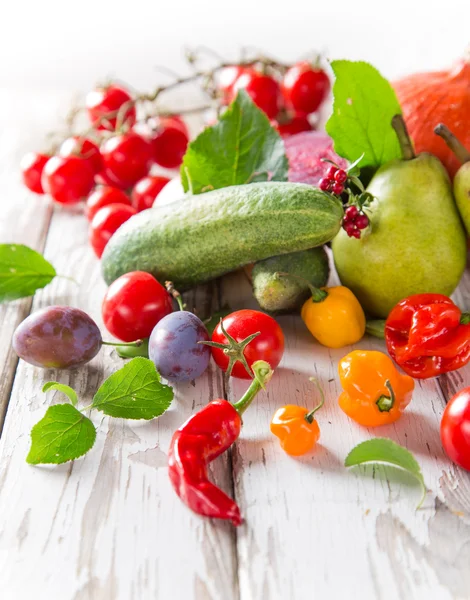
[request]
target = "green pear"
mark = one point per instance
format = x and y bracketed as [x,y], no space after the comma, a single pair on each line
[415,243]
[462,177]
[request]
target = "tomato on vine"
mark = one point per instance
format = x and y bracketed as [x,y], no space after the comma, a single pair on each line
[68,179]
[242,338]
[146,191]
[296,124]
[83,148]
[126,158]
[262,89]
[106,222]
[455,429]
[32,166]
[305,87]
[134,304]
[104,101]
[169,139]
[103,196]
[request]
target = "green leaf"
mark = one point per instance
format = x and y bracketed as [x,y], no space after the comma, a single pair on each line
[22,271]
[212,322]
[134,392]
[383,450]
[61,387]
[364,104]
[133,351]
[241,148]
[63,434]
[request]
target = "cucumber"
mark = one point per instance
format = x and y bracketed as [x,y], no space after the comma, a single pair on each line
[283,294]
[201,237]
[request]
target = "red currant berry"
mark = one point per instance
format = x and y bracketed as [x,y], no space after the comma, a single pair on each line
[262,89]
[324,184]
[169,139]
[126,158]
[341,176]
[351,212]
[296,124]
[102,196]
[356,234]
[107,101]
[361,221]
[146,190]
[226,79]
[349,227]
[83,148]
[106,222]
[68,179]
[32,166]
[133,305]
[330,174]
[337,188]
[305,87]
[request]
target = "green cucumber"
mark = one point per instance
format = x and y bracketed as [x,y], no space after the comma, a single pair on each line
[277,294]
[201,237]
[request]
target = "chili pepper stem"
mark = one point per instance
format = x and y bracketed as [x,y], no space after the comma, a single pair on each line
[135,344]
[262,374]
[406,145]
[170,288]
[318,295]
[465,318]
[376,327]
[309,417]
[385,403]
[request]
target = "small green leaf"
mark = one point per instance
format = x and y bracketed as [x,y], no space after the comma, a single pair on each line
[241,148]
[134,392]
[133,351]
[63,434]
[22,271]
[61,387]
[212,322]
[364,104]
[383,450]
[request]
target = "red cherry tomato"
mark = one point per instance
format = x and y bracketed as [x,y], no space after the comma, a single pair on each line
[68,179]
[262,89]
[84,148]
[146,190]
[268,346]
[455,429]
[126,158]
[108,100]
[103,196]
[296,124]
[169,139]
[134,304]
[305,87]
[106,222]
[32,166]
[226,79]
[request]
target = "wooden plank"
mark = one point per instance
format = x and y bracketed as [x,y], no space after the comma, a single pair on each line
[108,526]
[314,529]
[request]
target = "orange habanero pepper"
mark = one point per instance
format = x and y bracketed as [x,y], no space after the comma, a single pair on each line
[375,393]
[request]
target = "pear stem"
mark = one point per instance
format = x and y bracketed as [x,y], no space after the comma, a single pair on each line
[453,142]
[406,145]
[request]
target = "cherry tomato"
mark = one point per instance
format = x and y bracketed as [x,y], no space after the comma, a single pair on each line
[32,166]
[305,87]
[169,139]
[455,429]
[108,100]
[134,304]
[126,158]
[84,148]
[146,190]
[296,124]
[268,346]
[102,196]
[106,222]
[68,179]
[226,79]
[262,89]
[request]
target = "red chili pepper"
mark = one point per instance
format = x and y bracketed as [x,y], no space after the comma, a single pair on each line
[203,438]
[427,334]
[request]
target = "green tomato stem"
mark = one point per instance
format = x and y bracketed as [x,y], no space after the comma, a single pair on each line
[170,288]
[263,374]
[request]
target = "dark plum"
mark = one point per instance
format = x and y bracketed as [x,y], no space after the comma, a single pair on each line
[58,337]
[174,347]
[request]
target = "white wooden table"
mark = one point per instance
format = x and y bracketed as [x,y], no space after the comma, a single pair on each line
[109,526]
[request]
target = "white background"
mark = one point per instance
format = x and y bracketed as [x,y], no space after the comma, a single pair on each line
[64,44]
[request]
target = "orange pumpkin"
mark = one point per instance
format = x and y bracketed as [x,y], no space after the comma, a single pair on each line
[439,97]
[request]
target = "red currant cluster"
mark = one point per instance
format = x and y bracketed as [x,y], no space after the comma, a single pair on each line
[333,181]
[354,221]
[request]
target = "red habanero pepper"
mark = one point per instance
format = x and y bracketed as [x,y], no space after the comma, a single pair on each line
[205,436]
[427,334]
